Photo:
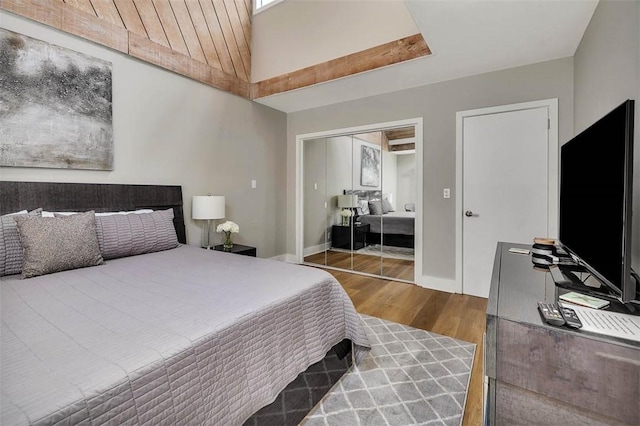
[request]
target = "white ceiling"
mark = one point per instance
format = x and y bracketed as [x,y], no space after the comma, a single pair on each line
[467,37]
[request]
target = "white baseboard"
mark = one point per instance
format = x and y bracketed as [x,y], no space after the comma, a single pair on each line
[308,251]
[437,283]
[289,258]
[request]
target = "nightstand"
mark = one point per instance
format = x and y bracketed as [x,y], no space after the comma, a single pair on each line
[238,249]
[341,236]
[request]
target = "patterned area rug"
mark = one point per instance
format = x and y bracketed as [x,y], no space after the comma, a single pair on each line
[410,377]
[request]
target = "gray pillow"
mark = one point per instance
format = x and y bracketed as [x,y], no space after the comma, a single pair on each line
[11,256]
[386,206]
[375,207]
[54,244]
[133,234]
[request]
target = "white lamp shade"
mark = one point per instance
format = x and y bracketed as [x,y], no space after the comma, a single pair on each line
[348,201]
[207,207]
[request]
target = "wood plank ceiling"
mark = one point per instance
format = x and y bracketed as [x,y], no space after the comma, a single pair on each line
[206,40]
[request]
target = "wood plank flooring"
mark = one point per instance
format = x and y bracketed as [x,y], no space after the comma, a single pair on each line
[454,315]
[393,268]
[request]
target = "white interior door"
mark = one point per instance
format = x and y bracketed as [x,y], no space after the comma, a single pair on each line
[505,187]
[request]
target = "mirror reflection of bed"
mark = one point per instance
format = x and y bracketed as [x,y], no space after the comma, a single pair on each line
[359,202]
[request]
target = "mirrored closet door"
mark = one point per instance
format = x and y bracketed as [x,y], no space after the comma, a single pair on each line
[357,202]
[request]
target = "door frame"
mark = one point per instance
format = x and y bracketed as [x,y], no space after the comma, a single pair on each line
[552,170]
[417,122]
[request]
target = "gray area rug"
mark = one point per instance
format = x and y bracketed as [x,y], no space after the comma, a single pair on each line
[410,377]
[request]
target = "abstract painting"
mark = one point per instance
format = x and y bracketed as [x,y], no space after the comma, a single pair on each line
[55,106]
[369,166]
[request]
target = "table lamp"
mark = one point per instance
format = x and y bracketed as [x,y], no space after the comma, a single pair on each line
[207,207]
[349,202]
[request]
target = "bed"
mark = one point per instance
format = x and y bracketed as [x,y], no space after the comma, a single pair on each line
[179,336]
[393,228]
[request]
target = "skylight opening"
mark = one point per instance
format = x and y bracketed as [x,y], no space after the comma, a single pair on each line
[260,5]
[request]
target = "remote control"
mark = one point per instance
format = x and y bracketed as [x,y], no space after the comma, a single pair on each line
[558,276]
[570,316]
[551,314]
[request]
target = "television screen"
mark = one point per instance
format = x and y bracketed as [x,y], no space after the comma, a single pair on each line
[595,198]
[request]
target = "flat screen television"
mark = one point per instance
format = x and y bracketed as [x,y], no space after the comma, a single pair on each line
[596,187]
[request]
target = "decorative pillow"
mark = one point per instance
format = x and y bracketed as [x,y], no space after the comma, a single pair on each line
[363,205]
[386,206]
[58,244]
[375,207]
[11,256]
[132,234]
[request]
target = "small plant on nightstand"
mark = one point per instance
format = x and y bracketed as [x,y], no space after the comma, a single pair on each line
[228,228]
[346,216]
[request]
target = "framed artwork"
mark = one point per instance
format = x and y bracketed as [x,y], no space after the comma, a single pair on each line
[369,166]
[55,106]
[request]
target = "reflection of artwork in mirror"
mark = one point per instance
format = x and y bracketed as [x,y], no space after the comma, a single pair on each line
[370,166]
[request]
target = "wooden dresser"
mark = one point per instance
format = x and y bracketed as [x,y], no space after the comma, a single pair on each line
[540,374]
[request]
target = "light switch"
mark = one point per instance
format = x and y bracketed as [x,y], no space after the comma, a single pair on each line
[446,193]
[315,185]
[254,184]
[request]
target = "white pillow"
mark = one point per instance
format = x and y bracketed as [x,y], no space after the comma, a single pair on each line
[363,205]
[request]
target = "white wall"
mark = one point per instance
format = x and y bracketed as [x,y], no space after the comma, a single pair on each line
[406,180]
[169,129]
[607,72]
[437,104]
[315,193]
[390,177]
[299,33]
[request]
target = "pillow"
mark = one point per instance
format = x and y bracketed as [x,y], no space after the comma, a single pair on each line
[132,234]
[363,206]
[61,214]
[386,206]
[11,256]
[58,244]
[375,207]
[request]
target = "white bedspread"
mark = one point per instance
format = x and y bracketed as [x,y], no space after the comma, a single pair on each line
[185,336]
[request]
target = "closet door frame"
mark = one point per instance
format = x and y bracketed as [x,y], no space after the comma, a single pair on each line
[299,214]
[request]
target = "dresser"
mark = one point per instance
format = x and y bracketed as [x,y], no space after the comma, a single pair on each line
[539,374]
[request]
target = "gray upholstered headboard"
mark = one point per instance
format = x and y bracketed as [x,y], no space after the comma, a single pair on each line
[15,196]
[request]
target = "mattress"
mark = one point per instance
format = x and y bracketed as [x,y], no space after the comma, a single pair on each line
[401,223]
[184,336]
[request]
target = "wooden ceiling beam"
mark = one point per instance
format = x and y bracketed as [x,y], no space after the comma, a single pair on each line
[383,55]
[206,40]
[402,147]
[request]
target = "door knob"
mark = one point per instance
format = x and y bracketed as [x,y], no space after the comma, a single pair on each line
[469,213]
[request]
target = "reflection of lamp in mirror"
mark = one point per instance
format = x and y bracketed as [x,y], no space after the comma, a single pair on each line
[347,203]
[207,207]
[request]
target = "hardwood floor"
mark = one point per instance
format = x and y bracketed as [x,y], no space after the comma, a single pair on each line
[393,268]
[454,315]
